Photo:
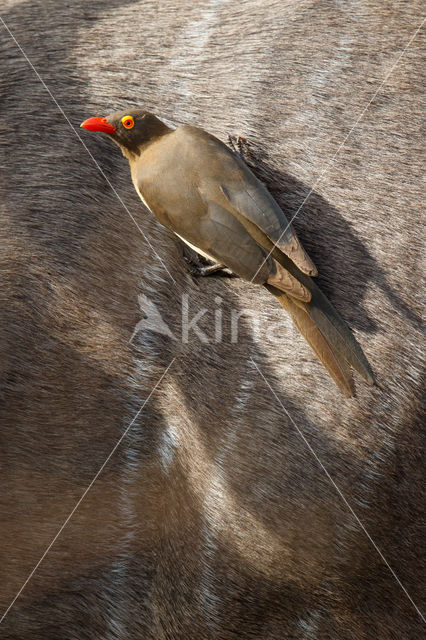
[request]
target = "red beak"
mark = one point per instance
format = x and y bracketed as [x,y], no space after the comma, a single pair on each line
[98,124]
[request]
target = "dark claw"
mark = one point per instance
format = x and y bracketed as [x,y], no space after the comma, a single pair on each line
[238,144]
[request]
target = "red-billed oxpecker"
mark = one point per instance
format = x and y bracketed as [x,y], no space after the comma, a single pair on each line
[204,192]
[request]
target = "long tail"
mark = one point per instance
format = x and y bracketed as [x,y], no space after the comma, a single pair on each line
[317,320]
[328,335]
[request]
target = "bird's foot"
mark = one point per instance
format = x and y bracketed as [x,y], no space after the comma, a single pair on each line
[239,145]
[202,271]
[198,266]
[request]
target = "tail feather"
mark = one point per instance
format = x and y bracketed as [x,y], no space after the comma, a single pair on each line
[317,320]
[329,322]
[337,333]
[331,358]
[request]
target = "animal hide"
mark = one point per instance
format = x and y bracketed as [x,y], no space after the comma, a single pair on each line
[227,510]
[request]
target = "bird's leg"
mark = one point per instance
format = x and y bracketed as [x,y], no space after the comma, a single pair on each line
[198,270]
[198,265]
[209,269]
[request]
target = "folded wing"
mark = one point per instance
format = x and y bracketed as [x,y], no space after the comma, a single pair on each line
[252,200]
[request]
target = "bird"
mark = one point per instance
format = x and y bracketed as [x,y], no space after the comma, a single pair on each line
[202,190]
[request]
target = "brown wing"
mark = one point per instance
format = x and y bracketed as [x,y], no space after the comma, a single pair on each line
[252,200]
[245,194]
[220,235]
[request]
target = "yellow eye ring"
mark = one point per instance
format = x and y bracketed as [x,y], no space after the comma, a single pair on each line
[127,122]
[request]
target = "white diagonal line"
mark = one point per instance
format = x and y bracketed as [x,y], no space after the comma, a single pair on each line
[342,144]
[339,491]
[84,145]
[117,444]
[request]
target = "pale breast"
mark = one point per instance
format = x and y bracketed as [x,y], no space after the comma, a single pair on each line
[200,251]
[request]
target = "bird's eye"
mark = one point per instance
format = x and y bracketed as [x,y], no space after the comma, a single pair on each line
[127,122]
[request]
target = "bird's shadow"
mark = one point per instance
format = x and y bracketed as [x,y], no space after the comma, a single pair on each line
[344,263]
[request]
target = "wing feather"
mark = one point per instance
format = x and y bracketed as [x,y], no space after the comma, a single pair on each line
[252,200]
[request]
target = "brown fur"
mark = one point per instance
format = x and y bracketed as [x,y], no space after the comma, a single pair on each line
[212,520]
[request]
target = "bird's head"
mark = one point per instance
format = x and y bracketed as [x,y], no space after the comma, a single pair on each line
[131,130]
